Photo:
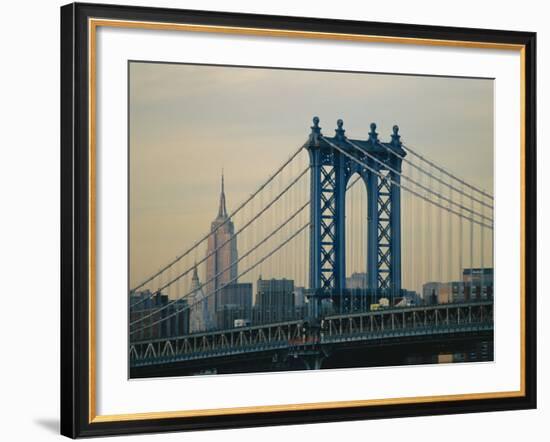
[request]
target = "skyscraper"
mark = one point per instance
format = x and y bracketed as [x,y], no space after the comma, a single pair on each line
[221,266]
[234,302]
[275,299]
[478,283]
[199,317]
[357,281]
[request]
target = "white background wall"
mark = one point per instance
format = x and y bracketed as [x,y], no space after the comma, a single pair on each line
[29,218]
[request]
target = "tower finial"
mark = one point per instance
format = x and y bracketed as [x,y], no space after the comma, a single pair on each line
[222,211]
[340,131]
[373,136]
[396,138]
[315,132]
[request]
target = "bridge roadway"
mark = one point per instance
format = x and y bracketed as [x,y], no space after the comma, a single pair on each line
[312,342]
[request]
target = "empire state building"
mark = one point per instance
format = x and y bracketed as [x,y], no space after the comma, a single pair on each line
[221,266]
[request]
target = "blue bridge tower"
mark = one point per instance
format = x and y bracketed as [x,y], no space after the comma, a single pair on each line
[331,170]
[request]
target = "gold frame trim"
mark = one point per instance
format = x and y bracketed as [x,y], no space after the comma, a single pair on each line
[93,24]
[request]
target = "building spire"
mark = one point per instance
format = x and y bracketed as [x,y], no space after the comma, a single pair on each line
[222,211]
[195,282]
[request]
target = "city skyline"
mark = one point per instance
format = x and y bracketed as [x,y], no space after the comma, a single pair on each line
[229,253]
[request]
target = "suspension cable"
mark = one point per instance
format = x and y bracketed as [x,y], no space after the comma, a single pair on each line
[268,206]
[429,189]
[432,175]
[402,186]
[221,272]
[238,209]
[189,306]
[449,174]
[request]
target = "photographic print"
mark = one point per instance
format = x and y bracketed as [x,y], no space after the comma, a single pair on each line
[285,219]
[267,204]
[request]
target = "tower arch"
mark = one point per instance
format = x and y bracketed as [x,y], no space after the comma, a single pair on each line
[333,161]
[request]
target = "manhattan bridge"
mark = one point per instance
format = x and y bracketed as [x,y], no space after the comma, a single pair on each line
[418,237]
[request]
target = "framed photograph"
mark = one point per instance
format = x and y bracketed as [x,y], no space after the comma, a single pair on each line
[275,220]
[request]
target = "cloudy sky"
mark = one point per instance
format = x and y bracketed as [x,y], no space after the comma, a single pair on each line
[188,122]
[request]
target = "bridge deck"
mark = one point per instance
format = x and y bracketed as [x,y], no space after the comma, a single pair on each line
[381,327]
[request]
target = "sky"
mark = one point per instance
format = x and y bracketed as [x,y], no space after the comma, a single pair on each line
[189,122]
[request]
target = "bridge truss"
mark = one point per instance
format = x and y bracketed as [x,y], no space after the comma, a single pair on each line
[371,328]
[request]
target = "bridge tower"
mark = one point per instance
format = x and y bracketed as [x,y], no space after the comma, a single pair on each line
[331,170]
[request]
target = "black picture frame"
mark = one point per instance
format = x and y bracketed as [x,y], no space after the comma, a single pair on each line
[76,420]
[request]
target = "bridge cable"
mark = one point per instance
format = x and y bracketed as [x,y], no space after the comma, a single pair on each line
[231,215]
[227,268]
[438,179]
[461,246]
[189,306]
[471,256]
[482,259]
[440,242]
[422,240]
[429,189]
[268,206]
[410,247]
[400,185]
[449,174]
[430,235]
